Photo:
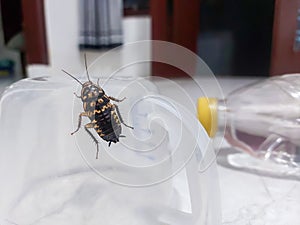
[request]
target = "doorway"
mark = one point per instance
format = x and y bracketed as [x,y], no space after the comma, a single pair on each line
[235,37]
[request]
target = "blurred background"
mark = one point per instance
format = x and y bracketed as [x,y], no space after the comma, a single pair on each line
[241,41]
[235,38]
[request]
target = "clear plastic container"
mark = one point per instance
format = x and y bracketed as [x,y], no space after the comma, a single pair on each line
[153,176]
[262,119]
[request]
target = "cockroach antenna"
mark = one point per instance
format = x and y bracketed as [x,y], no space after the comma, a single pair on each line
[104,116]
[87,72]
[72,77]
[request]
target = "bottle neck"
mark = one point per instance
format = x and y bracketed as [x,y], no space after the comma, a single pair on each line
[222,112]
[211,114]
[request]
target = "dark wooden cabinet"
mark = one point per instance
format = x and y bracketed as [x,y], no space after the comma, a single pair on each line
[285,53]
[34,32]
[174,21]
[26,17]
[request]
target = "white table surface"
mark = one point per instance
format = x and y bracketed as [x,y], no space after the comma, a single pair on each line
[250,199]
[247,199]
[253,198]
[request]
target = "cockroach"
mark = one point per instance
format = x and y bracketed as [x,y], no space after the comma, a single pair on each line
[104,116]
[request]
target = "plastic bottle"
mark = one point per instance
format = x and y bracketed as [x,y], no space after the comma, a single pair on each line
[262,119]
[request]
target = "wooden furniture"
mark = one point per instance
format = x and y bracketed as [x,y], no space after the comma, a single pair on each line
[285,54]
[25,19]
[175,21]
[34,32]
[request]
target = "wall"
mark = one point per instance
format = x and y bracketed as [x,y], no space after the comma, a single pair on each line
[62,28]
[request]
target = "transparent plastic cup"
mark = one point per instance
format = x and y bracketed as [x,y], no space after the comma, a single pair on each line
[152,176]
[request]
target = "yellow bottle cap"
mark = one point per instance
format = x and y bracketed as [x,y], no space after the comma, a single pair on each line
[207,114]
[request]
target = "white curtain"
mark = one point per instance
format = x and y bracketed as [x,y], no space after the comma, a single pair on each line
[101,23]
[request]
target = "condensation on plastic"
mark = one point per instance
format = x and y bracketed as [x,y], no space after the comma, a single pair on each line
[153,176]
